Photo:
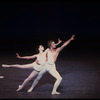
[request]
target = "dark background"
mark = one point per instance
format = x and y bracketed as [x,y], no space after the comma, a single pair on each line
[25,25]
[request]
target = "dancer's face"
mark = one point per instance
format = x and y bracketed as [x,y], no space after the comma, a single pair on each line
[41,48]
[53,45]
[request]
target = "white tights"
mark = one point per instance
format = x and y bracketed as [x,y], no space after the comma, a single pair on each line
[54,73]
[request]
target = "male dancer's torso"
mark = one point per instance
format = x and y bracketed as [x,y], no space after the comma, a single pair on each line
[51,59]
[52,55]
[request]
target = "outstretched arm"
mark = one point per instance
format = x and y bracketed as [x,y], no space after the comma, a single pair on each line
[59,41]
[66,43]
[26,57]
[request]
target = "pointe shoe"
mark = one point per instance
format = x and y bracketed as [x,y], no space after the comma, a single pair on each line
[4,65]
[55,92]
[19,88]
[30,90]
[1,76]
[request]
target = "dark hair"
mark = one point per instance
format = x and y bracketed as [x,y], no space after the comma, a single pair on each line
[49,43]
[37,49]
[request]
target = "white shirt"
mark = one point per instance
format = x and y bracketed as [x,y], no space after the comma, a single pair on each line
[50,58]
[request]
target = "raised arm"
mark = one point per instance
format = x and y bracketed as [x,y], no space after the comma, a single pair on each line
[59,41]
[26,57]
[66,43]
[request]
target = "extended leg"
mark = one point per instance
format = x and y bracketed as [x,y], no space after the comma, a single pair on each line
[41,73]
[33,74]
[25,66]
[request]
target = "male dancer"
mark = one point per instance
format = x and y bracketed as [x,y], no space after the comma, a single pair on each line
[37,65]
[50,65]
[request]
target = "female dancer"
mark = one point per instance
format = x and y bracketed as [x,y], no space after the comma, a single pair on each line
[37,65]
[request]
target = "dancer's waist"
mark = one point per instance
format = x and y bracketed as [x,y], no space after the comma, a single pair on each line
[50,63]
[40,63]
[37,62]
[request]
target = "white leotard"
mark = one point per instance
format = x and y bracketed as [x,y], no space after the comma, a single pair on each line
[41,60]
[50,58]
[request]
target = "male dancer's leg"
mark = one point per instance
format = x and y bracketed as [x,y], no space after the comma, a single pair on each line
[25,66]
[33,74]
[56,75]
[41,73]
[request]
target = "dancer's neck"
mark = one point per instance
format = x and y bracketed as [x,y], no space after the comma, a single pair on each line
[52,49]
[40,51]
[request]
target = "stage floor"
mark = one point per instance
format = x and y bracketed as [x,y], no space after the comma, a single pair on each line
[80,73]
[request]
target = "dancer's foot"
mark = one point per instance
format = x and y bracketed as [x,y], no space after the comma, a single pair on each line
[3,65]
[30,90]
[1,76]
[55,92]
[19,88]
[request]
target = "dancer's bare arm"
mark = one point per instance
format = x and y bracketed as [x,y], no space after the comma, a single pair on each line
[26,57]
[46,50]
[59,41]
[66,43]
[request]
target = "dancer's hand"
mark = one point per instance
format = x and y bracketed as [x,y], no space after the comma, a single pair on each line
[72,38]
[17,55]
[59,41]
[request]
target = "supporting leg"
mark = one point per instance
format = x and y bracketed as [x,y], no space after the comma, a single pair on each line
[56,75]
[41,73]
[33,74]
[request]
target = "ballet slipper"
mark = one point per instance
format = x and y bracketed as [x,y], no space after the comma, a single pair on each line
[19,88]
[30,90]
[55,92]
[5,65]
